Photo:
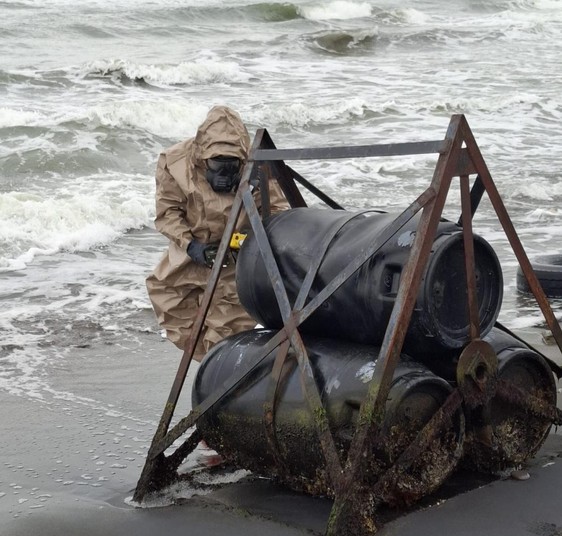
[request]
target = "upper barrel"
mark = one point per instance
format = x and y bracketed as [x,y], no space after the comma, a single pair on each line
[360,309]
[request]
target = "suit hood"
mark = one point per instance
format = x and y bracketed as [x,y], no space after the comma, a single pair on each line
[221,134]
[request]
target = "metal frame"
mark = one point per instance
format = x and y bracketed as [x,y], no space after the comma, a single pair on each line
[354,509]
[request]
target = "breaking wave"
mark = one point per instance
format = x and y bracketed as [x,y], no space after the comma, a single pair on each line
[169,118]
[17,117]
[166,118]
[282,12]
[338,9]
[96,213]
[270,12]
[342,42]
[302,115]
[186,73]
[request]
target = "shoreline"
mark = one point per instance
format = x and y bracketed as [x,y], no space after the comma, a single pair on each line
[72,458]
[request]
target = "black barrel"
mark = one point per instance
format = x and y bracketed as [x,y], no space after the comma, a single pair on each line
[360,309]
[517,433]
[236,429]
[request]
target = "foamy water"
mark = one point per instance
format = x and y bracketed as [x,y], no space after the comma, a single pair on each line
[93,90]
[85,109]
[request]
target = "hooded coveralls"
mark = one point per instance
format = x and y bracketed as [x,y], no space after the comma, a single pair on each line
[188,208]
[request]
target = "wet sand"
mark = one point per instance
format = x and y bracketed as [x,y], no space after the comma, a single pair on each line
[74,445]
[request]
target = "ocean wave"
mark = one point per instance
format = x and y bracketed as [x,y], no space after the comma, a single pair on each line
[344,42]
[205,71]
[271,12]
[26,78]
[38,131]
[15,5]
[419,34]
[535,191]
[95,214]
[8,78]
[91,31]
[207,16]
[301,114]
[553,5]
[46,155]
[441,36]
[528,30]
[10,117]
[167,118]
[412,27]
[490,104]
[337,9]
[541,214]
[399,16]
[513,5]
[111,5]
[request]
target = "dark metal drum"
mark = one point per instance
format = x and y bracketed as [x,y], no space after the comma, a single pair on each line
[360,309]
[513,429]
[291,450]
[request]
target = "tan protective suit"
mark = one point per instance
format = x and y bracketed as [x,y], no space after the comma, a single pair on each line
[188,208]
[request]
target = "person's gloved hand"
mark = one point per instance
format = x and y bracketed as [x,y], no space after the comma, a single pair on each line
[203,254]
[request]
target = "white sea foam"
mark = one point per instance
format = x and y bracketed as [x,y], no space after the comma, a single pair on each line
[338,9]
[527,321]
[204,71]
[537,191]
[548,5]
[203,483]
[172,118]
[498,104]
[542,215]
[95,214]
[412,15]
[300,114]
[10,117]
[169,118]
[20,374]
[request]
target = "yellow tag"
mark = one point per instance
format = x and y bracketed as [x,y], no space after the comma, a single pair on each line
[237,240]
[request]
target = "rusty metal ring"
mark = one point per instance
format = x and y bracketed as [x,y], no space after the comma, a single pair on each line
[477,372]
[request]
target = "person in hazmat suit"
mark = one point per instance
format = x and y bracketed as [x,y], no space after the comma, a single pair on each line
[196,182]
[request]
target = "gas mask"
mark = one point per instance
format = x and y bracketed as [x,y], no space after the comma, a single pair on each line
[223,173]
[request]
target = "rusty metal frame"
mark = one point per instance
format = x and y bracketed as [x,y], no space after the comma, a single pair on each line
[459,156]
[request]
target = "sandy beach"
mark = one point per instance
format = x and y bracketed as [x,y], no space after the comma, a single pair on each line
[70,462]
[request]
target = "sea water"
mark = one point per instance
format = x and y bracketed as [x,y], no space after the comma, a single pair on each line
[92,91]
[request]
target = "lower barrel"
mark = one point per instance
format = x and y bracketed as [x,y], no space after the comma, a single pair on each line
[291,450]
[517,432]
[361,307]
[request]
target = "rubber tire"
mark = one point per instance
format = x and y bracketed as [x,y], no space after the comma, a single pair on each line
[548,269]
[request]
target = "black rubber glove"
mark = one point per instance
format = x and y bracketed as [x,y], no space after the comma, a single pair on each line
[203,254]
